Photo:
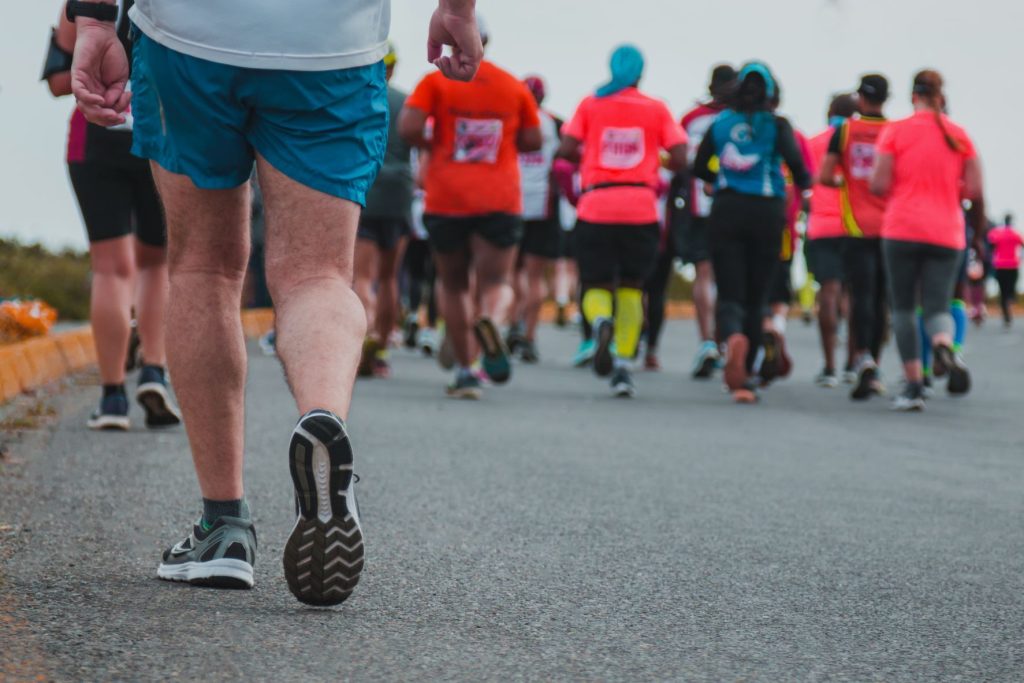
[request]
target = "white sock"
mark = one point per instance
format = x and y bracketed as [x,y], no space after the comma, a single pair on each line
[779,323]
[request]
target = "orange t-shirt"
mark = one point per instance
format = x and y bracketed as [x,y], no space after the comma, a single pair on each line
[622,135]
[924,203]
[825,219]
[474,163]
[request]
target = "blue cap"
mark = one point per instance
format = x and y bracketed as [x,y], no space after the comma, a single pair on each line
[763,71]
[627,65]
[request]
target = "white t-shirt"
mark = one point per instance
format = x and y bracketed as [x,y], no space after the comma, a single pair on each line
[307,35]
[535,171]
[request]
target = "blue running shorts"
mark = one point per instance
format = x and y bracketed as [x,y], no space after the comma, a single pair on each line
[324,129]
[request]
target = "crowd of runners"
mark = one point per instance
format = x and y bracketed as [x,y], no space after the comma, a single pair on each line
[486,209]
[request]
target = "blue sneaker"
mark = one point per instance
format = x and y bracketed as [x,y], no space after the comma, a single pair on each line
[585,353]
[155,399]
[112,414]
[268,343]
[496,361]
[707,360]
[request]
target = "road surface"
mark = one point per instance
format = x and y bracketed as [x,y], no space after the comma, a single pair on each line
[551,532]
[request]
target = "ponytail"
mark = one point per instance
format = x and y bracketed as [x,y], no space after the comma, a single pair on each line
[928,86]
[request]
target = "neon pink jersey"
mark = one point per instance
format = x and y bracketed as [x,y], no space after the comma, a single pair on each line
[622,135]
[825,219]
[924,203]
[1006,245]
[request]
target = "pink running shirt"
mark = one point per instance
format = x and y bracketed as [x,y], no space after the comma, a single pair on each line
[622,135]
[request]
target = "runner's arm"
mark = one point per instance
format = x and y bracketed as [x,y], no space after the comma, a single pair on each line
[973,185]
[702,162]
[829,176]
[529,139]
[412,127]
[677,158]
[569,149]
[99,72]
[454,24]
[790,151]
[881,177]
[63,40]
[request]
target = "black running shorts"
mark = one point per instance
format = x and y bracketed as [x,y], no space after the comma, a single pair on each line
[607,253]
[449,234]
[118,199]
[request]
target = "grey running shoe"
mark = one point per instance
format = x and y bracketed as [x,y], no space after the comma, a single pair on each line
[911,399]
[220,557]
[622,384]
[324,554]
[466,385]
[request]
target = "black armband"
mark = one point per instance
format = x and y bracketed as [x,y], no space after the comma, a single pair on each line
[58,60]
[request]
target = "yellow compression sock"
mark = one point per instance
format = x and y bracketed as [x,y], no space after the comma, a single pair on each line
[597,303]
[629,319]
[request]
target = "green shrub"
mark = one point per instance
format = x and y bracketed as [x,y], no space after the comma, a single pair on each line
[33,272]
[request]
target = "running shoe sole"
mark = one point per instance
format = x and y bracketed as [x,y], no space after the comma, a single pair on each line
[744,396]
[496,355]
[222,573]
[908,405]
[736,362]
[603,361]
[465,393]
[109,423]
[864,388]
[160,411]
[324,555]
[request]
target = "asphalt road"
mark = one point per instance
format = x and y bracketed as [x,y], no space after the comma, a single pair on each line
[551,532]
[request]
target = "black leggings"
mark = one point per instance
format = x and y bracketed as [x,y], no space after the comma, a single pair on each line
[1007,279]
[420,275]
[656,290]
[865,272]
[746,239]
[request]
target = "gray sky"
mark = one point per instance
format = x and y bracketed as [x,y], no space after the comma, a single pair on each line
[816,47]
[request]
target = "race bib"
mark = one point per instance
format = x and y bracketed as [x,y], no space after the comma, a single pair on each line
[477,141]
[533,159]
[862,160]
[622,148]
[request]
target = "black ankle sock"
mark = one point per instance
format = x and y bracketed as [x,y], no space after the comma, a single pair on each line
[113,390]
[215,509]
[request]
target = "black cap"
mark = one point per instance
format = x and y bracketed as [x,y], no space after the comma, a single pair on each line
[723,74]
[874,88]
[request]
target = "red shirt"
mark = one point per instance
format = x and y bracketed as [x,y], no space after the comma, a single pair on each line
[474,162]
[825,220]
[622,135]
[924,203]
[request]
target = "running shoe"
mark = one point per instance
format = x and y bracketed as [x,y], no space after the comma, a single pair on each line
[911,399]
[514,337]
[410,331]
[745,395]
[770,367]
[323,557]
[561,315]
[827,379]
[155,399]
[427,341]
[867,376]
[446,354]
[736,362]
[381,368]
[370,349]
[604,332]
[849,374]
[496,361]
[950,362]
[466,385]
[584,353]
[706,361]
[928,386]
[528,352]
[221,556]
[651,362]
[112,414]
[268,343]
[622,383]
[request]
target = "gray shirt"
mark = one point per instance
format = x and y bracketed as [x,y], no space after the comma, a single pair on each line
[304,35]
[391,194]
